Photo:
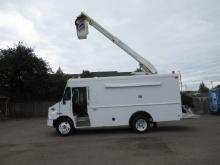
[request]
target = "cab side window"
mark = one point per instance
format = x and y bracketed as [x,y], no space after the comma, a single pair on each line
[67,94]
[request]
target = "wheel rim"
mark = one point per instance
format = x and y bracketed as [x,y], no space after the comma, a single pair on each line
[141,125]
[64,128]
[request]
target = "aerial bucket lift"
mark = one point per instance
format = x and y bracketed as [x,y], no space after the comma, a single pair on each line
[82,22]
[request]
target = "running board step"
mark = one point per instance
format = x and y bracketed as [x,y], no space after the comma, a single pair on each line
[83,121]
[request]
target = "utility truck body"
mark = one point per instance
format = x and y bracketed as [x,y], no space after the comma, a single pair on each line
[116,101]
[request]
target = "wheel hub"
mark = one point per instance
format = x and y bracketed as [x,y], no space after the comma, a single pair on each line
[64,128]
[141,125]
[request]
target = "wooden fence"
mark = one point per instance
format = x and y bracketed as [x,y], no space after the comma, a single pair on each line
[25,109]
[201,105]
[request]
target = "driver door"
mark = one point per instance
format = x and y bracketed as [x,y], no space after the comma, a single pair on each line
[66,104]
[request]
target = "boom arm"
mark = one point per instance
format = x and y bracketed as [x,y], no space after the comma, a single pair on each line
[82,31]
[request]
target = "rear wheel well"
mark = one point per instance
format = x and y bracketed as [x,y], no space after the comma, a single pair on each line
[56,122]
[140,113]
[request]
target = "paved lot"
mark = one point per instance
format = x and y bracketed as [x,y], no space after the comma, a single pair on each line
[30,141]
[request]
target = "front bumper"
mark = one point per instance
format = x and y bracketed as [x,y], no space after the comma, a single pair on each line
[50,122]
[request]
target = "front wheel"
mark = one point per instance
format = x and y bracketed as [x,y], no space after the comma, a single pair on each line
[140,124]
[64,127]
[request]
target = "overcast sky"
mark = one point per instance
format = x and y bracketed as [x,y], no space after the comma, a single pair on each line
[172,34]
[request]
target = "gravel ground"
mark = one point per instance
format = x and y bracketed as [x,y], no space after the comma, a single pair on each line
[30,141]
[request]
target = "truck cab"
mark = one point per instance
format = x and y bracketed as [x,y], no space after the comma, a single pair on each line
[72,107]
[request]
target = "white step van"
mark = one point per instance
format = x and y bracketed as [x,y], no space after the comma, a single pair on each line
[136,101]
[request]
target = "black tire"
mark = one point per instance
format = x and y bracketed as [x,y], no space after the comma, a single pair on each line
[65,127]
[136,124]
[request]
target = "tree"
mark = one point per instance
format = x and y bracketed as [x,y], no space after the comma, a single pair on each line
[59,71]
[57,83]
[22,73]
[86,74]
[217,86]
[203,88]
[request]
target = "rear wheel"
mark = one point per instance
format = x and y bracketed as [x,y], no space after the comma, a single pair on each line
[140,124]
[65,127]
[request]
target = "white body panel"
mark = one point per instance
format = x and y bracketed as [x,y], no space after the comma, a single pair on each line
[120,97]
